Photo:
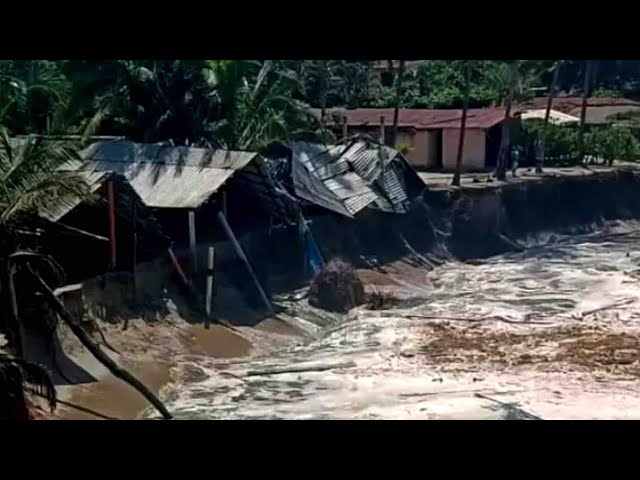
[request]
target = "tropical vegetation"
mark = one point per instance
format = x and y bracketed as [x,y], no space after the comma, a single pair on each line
[49,109]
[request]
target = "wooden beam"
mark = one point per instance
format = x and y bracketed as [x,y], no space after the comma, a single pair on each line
[82,232]
[112,223]
[236,245]
[192,240]
[178,268]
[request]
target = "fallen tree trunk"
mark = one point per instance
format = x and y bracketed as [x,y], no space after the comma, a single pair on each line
[95,350]
[301,369]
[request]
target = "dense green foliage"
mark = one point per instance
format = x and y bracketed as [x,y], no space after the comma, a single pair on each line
[246,103]
[601,144]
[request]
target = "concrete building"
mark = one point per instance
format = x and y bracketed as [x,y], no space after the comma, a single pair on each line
[429,138]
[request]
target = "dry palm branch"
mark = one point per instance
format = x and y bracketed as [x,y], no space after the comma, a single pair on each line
[26,260]
[15,375]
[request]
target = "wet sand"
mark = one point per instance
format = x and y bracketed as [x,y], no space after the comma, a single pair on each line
[144,345]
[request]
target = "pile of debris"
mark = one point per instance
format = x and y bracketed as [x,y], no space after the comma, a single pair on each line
[336,288]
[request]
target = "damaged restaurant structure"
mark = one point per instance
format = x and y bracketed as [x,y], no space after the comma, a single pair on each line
[263,217]
[359,194]
[195,194]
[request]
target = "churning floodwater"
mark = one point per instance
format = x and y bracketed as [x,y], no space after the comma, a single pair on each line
[379,364]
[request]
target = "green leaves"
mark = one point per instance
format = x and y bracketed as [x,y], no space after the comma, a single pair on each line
[31,179]
[612,143]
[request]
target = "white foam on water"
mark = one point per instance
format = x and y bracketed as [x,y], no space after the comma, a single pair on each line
[364,366]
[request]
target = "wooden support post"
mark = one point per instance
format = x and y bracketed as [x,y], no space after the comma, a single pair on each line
[192,240]
[178,268]
[210,275]
[243,257]
[112,223]
[224,202]
[345,127]
[134,253]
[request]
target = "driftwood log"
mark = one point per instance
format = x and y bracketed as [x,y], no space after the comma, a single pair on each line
[95,349]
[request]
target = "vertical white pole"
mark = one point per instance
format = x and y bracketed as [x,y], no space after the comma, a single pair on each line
[210,273]
[192,239]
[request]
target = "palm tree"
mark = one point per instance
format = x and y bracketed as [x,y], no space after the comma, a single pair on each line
[31,184]
[463,122]
[32,181]
[31,92]
[145,100]
[552,90]
[256,104]
[16,376]
[512,82]
[589,67]
[396,110]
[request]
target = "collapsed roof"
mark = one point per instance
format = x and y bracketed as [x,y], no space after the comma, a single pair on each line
[349,177]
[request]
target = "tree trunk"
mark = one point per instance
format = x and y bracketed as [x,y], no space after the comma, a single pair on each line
[463,125]
[583,110]
[323,91]
[541,147]
[95,350]
[396,111]
[505,141]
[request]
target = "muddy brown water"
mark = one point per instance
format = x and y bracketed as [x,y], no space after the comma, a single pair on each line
[377,364]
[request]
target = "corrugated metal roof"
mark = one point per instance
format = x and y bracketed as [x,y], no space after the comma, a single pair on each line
[312,189]
[168,177]
[131,152]
[93,179]
[359,202]
[614,114]
[566,104]
[418,118]
[347,178]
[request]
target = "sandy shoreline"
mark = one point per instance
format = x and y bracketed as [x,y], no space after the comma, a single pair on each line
[149,352]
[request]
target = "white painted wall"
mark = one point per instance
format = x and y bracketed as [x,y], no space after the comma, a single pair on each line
[473,157]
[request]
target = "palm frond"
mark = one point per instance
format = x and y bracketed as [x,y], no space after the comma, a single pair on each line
[16,374]
[33,179]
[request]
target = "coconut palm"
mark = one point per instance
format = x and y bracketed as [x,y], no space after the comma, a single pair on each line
[467,66]
[31,92]
[16,376]
[256,104]
[552,90]
[145,100]
[31,180]
[512,82]
[589,67]
[31,183]
[396,110]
